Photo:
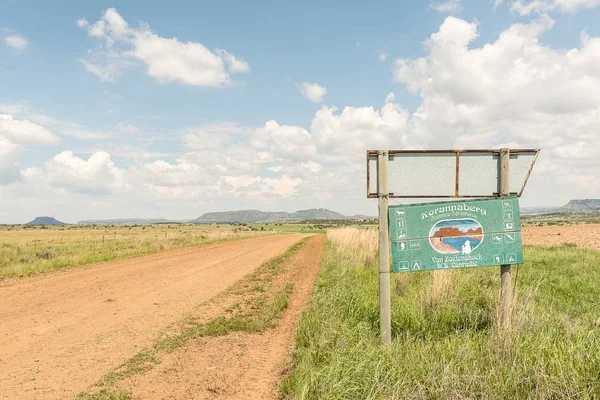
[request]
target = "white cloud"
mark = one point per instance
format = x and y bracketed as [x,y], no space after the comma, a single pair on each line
[241,183]
[9,161]
[526,7]
[12,108]
[513,90]
[312,166]
[344,137]
[234,64]
[284,186]
[382,56]
[107,73]
[43,119]
[129,128]
[82,132]
[283,142]
[82,23]
[24,131]
[235,159]
[183,173]
[225,159]
[312,91]
[17,42]
[166,59]
[96,175]
[212,136]
[15,134]
[202,140]
[170,60]
[448,6]
[390,97]
[260,188]
[31,129]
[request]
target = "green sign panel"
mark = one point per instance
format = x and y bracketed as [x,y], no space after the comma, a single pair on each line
[455,234]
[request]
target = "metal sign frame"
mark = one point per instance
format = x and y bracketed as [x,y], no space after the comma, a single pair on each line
[373,154]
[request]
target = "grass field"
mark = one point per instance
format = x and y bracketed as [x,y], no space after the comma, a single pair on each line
[25,249]
[28,249]
[446,343]
[561,218]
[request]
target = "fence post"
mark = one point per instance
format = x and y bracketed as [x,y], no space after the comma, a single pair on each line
[385,322]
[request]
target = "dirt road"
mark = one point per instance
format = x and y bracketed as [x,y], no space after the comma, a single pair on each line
[61,332]
[238,365]
[581,235]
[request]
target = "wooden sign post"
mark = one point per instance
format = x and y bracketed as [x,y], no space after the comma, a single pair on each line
[505,283]
[385,318]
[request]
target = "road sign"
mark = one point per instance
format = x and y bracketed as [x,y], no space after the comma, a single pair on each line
[449,173]
[456,234]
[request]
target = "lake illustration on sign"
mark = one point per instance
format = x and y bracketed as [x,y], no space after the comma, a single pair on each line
[456,236]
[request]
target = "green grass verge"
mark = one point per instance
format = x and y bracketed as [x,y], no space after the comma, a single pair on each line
[262,313]
[258,320]
[451,349]
[105,394]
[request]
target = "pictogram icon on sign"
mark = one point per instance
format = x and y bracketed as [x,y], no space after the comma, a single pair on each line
[415,244]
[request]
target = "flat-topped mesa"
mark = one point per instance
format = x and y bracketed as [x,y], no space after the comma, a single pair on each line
[582,205]
[45,221]
[257,216]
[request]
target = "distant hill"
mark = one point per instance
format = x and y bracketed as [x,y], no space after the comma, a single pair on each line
[582,205]
[249,216]
[538,210]
[573,206]
[45,221]
[124,221]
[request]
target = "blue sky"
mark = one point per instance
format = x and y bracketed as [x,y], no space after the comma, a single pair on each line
[153,109]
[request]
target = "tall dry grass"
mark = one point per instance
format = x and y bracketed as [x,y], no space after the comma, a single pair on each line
[356,244]
[361,245]
[442,283]
[24,250]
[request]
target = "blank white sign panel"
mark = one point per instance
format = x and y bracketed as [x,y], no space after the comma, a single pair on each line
[427,174]
[478,173]
[435,174]
[372,171]
[520,167]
